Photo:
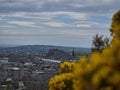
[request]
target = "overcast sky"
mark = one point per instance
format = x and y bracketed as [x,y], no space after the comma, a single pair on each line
[55,22]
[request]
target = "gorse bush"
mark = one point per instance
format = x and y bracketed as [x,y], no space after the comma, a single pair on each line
[66,67]
[102,72]
[63,81]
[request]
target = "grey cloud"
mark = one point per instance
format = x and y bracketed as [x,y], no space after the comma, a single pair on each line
[58,5]
[41,12]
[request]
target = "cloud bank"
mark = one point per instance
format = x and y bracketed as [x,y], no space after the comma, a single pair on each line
[55,22]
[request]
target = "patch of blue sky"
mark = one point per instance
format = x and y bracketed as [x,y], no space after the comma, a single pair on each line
[2,22]
[64,18]
[100,19]
[8,18]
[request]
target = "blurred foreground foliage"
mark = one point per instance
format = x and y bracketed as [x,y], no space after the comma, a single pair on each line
[101,72]
[63,81]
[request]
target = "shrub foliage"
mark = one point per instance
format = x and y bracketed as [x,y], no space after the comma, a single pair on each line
[101,72]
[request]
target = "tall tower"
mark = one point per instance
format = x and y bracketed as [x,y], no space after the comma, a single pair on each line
[73,52]
[21,71]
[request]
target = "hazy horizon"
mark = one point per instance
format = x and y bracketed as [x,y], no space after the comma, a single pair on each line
[17,45]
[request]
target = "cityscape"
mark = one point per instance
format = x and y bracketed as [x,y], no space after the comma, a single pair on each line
[59,44]
[31,67]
